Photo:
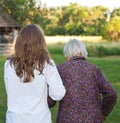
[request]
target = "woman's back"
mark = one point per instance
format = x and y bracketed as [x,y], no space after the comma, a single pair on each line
[82,102]
[27,102]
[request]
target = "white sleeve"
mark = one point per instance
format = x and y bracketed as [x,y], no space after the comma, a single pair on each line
[56,87]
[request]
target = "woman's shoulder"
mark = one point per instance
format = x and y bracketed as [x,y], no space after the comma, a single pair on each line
[7,66]
[92,66]
[50,65]
[6,63]
[63,65]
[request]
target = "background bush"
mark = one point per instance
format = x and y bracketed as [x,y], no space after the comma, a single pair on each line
[94,50]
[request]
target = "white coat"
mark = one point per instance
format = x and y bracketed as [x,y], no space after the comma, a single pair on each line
[27,102]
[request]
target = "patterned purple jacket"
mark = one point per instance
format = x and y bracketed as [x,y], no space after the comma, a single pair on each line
[89,94]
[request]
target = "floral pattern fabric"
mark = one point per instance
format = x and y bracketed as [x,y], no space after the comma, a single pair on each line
[89,94]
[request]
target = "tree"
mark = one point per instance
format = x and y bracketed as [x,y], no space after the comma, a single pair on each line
[115,12]
[23,11]
[112,30]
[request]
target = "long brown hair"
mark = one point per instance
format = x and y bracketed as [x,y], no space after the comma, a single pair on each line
[30,52]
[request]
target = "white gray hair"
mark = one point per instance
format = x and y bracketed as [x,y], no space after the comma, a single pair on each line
[75,47]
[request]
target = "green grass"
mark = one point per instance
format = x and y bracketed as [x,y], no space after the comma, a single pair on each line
[109,65]
[2,92]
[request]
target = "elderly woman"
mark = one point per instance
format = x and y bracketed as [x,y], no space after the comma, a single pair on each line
[89,97]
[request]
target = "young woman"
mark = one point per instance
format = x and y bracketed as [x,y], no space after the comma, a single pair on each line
[29,75]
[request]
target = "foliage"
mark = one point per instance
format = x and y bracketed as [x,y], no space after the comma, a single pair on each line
[76,20]
[112,30]
[73,19]
[25,11]
[115,12]
[19,9]
[94,50]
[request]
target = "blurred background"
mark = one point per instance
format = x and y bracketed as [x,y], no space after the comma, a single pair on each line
[95,22]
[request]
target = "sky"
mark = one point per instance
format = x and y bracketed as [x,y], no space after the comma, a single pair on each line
[111,4]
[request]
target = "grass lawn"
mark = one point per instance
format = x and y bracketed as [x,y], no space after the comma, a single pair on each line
[2,92]
[110,67]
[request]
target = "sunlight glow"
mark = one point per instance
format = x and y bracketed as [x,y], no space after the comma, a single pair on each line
[90,3]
